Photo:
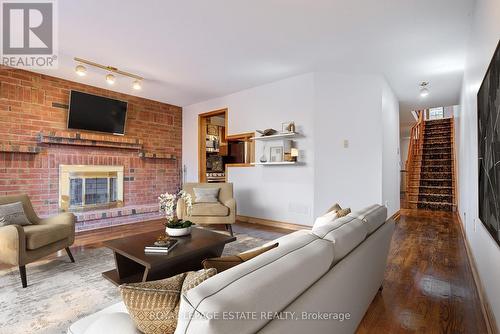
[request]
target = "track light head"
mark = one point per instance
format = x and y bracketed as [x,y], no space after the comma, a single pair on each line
[81,70]
[137,85]
[110,79]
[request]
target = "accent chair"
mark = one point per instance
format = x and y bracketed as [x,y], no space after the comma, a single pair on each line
[20,245]
[223,212]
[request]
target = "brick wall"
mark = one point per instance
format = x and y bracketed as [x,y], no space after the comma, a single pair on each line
[31,103]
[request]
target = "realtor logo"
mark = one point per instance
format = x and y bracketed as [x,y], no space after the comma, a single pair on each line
[28,34]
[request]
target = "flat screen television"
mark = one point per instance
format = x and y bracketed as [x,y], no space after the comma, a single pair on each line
[488,121]
[96,113]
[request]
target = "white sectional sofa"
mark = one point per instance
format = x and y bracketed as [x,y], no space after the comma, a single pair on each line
[318,281]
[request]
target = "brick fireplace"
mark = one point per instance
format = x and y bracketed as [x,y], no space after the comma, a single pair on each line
[36,149]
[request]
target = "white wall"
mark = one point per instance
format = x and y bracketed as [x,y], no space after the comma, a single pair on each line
[280,193]
[391,160]
[327,108]
[404,146]
[347,108]
[482,41]
[363,110]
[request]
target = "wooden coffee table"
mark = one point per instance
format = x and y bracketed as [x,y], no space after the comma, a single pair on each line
[133,265]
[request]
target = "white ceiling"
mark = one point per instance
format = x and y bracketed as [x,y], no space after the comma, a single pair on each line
[191,51]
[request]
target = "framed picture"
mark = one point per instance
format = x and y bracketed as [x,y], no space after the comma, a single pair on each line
[276,154]
[488,129]
[288,127]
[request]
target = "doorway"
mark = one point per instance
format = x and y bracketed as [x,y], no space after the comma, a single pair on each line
[212,133]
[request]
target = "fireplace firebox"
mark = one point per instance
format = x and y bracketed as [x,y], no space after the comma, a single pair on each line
[86,187]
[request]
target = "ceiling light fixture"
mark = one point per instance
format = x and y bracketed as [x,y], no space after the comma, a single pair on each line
[424,91]
[110,77]
[80,70]
[137,85]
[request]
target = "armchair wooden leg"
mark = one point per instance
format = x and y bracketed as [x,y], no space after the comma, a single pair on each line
[229,227]
[70,255]
[22,271]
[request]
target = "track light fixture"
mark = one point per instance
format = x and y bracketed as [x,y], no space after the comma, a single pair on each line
[81,70]
[424,91]
[110,77]
[137,85]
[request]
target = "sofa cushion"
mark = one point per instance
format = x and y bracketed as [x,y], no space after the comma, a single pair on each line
[81,325]
[322,230]
[118,322]
[346,237]
[373,216]
[225,262]
[209,209]
[42,235]
[284,273]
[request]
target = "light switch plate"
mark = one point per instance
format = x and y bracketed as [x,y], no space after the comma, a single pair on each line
[346,143]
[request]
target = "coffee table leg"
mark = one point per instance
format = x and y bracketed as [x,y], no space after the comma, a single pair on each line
[145,275]
[127,268]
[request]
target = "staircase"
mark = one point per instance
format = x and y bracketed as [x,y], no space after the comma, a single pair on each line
[430,183]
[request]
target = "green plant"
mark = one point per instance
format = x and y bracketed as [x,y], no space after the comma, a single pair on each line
[179,223]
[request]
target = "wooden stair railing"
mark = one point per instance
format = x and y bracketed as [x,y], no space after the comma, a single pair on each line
[412,168]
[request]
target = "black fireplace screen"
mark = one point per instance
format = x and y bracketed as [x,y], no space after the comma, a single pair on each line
[92,191]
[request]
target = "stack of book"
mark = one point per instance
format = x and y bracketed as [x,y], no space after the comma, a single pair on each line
[161,249]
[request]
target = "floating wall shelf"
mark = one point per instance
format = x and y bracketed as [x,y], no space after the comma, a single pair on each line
[153,155]
[20,149]
[278,163]
[277,136]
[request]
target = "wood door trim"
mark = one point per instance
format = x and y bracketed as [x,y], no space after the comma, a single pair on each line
[202,158]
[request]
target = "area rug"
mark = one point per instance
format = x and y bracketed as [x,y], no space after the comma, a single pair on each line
[60,292]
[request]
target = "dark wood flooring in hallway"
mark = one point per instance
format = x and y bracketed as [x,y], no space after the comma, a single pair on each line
[428,285]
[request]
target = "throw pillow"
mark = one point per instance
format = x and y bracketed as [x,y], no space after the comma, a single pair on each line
[343,212]
[326,218]
[154,305]
[206,195]
[227,262]
[336,207]
[13,214]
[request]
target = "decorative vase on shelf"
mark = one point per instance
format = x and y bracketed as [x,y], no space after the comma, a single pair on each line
[263,157]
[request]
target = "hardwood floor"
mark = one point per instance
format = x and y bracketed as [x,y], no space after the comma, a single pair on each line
[428,285]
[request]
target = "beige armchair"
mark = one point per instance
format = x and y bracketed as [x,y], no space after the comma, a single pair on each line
[223,212]
[20,245]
